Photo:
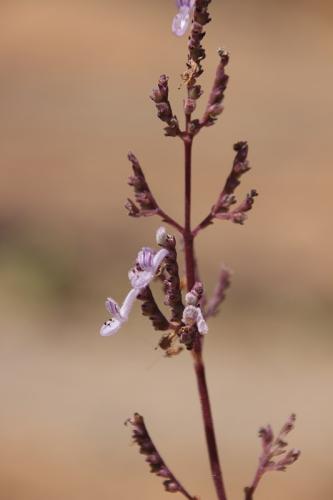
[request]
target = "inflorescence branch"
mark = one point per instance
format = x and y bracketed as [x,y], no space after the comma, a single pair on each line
[222,208]
[148,206]
[271,449]
[223,283]
[157,465]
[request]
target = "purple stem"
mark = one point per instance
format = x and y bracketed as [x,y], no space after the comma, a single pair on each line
[249,493]
[199,365]
[169,220]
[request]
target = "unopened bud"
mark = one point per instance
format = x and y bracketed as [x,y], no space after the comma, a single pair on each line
[171,486]
[156,95]
[191,299]
[215,110]
[195,92]
[189,106]
[161,236]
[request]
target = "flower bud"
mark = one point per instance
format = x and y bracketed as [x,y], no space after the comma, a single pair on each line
[161,236]
[189,106]
[191,299]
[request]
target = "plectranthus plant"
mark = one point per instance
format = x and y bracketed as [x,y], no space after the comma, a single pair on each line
[186,326]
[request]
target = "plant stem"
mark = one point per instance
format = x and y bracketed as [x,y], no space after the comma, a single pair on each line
[199,367]
[197,351]
[188,238]
[249,493]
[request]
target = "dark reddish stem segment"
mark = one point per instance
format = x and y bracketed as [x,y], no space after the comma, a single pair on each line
[188,237]
[197,351]
[249,493]
[208,422]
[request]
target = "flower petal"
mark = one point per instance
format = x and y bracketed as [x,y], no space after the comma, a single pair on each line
[181,21]
[158,259]
[140,279]
[113,308]
[110,327]
[201,323]
[128,303]
[145,258]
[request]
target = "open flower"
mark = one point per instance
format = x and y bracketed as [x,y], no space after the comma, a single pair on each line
[147,263]
[181,21]
[119,314]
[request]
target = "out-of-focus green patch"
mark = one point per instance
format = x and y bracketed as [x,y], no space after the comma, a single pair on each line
[36,273]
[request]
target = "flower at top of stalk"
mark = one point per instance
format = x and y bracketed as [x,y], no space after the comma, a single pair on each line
[119,314]
[147,263]
[182,19]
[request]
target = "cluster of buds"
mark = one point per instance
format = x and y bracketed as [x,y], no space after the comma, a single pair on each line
[150,308]
[193,319]
[157,465]
[172,286]
[215,102]
[272,448]
[196,51]
[160,96]
[238,215]
[226,199]
[142,192]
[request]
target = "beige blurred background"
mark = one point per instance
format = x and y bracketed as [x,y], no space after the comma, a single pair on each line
[75,79]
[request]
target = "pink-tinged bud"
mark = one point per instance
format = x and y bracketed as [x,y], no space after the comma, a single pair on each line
[215,110]
[157,95]
[189,106]
[171,486]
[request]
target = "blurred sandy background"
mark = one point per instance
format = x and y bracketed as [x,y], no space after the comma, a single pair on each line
[75,79]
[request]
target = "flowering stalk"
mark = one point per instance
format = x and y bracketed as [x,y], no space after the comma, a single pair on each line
[187,326]
[272,448]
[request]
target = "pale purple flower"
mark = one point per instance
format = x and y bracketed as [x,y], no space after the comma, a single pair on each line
[182,19]
[147,263]
[192,315]
[119,314]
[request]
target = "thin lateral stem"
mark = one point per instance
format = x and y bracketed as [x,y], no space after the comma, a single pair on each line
[170,220]
[141,436]
[197,351]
